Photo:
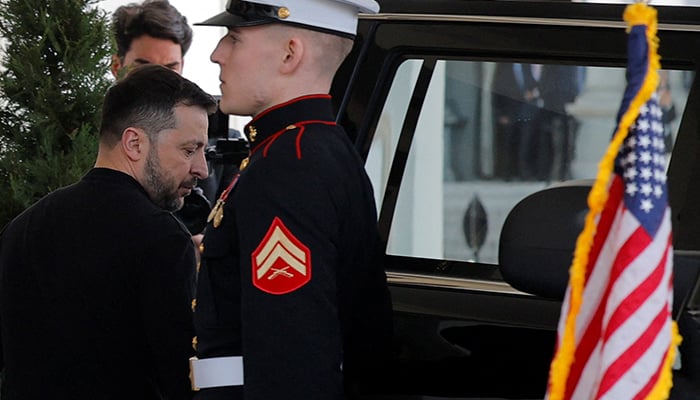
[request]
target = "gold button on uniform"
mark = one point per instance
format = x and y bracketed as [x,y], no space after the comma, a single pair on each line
[244,163]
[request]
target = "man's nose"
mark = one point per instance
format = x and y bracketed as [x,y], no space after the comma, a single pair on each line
[215,56]
[199,166]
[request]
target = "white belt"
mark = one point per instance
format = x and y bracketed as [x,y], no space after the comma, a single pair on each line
[216,372]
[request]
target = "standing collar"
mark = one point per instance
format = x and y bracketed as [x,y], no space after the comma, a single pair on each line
[306,108]
[114,176]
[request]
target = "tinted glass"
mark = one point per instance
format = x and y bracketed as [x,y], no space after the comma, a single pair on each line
[488,135]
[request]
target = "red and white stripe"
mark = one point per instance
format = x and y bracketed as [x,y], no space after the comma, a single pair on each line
[623,328]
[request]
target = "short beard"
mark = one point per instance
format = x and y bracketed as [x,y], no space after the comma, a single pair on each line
[160,187]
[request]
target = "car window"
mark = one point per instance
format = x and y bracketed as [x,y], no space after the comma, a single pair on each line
[487,135]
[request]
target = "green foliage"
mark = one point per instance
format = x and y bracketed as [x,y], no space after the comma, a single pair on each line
[53,75]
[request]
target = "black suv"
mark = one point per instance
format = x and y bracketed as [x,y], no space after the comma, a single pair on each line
[482,124]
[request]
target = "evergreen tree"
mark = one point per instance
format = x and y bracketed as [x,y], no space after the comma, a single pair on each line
[53,75]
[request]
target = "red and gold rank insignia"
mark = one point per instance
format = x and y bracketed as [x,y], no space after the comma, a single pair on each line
[281,263]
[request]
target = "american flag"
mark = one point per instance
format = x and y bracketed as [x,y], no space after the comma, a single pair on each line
[616,337]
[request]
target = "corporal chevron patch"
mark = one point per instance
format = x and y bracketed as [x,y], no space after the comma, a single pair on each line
[281,262]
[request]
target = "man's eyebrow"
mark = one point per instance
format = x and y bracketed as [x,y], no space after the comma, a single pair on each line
[195,142]
[171,65]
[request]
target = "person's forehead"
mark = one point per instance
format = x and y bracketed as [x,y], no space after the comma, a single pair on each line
[191,115]
[147,49]
[147,43]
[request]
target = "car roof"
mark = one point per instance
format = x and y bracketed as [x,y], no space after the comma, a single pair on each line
[552,9]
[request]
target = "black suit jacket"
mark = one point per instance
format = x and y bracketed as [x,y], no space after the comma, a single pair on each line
[95,292]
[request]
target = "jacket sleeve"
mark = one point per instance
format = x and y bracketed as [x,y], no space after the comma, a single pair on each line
[165,290]
[292,343]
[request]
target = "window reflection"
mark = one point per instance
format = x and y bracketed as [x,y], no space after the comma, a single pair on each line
[488,135]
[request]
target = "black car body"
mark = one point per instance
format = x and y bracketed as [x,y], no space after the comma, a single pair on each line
[477,254]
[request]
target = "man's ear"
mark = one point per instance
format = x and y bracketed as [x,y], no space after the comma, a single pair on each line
[294,52]
[116,65]
[134,143]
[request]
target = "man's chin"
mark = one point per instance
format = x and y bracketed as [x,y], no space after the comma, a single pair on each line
[229,107]
[177,204]
[172,204]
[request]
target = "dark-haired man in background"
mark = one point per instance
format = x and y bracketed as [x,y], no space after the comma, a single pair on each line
[153,32]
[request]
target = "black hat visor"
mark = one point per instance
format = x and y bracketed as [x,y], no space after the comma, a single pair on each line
[243,13]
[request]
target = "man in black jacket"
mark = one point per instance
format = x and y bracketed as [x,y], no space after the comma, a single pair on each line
[95,278]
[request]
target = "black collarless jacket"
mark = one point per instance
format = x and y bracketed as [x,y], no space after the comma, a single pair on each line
[95,292]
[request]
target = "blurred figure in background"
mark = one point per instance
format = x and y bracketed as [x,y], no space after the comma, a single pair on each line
[668,108]
[153,32]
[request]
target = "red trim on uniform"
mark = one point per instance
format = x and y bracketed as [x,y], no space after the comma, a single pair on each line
[310,96]
[302,128]
[300,125]
[270,140]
